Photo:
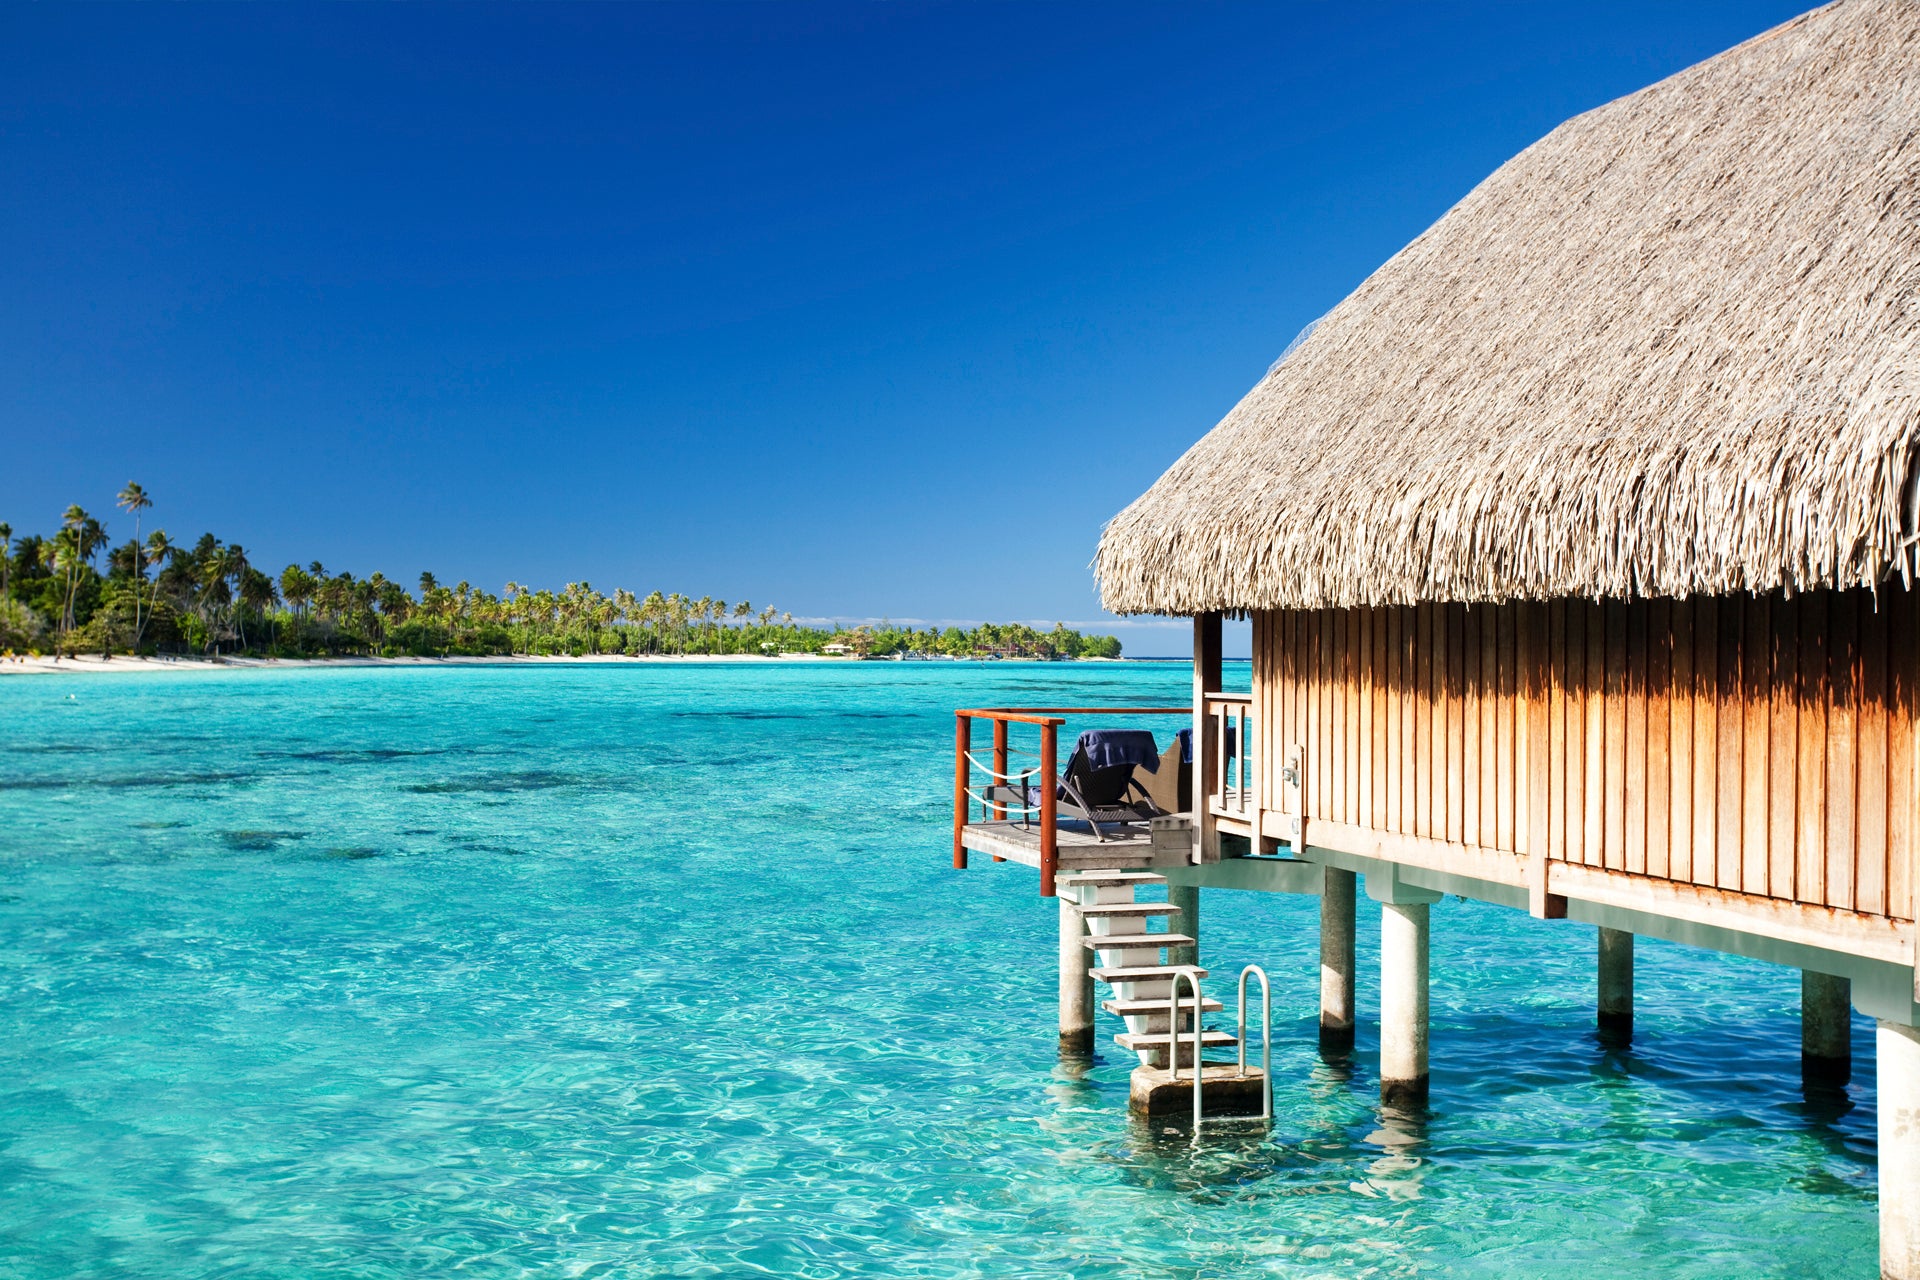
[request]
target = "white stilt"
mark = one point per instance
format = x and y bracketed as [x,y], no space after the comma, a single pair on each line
[1616,982]
[1826,1027]
[1403,1002]
[1897,1051]
[1336,960]
[1076,981]
[1186,899]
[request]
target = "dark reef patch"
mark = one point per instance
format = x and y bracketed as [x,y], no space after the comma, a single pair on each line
[345,755]
[123,781]
[259,841]
[528,780]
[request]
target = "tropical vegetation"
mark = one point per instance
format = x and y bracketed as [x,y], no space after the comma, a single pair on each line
[74,591]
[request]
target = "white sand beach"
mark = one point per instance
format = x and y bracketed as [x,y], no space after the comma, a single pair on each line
[94,664]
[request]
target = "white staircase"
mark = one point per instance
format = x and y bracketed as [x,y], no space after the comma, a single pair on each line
[1128,958]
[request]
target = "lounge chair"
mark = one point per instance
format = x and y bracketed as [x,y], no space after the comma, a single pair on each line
[1099,785]
[1170,786]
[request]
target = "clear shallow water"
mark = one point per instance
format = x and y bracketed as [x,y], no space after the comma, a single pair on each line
[661,970]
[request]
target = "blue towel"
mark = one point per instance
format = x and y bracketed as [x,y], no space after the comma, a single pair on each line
[1186,743]
[1106,748]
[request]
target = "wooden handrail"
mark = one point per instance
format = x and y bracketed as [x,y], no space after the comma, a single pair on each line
[1241,799]
[1049,846]
[999,763]
[962,744]
[1056,715]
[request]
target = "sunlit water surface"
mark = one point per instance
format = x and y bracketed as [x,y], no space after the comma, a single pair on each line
[663,970]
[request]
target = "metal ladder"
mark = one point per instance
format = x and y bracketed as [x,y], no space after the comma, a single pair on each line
[1192,980]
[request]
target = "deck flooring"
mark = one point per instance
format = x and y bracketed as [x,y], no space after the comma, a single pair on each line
[1078,849]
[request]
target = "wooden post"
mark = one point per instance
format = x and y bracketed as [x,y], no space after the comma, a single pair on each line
[1206,748]
[999,764]
[962,743]
[1049,783]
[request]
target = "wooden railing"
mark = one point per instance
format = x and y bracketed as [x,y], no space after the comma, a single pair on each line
[1232,787]
[1045,773]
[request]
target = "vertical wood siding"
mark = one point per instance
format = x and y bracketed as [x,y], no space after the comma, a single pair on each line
[1758,744]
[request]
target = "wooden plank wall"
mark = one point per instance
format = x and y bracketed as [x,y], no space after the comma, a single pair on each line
[1758,743]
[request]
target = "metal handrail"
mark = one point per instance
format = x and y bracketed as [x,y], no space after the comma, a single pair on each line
[1266,1037]
[1192,979]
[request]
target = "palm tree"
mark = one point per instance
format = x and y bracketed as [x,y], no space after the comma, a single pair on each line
[6,563]
[236,568]
[297,588]
[257,591]
[64,556]
[133,500]
[157,552]
[74,547]
[214,591]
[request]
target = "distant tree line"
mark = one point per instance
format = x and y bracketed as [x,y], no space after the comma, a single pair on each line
[73,591]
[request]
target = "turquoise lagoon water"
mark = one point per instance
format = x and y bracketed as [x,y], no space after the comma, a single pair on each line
[662,971]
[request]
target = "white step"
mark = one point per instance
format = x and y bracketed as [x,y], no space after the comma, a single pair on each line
[1137,1040]
[1145,973]
[1148,1008]
[1135,941]
[1107,910]
[1107,879]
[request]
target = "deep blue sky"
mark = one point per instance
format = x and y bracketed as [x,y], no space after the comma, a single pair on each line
[849,310]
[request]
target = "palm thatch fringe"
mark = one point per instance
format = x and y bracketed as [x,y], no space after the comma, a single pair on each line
[1672,348]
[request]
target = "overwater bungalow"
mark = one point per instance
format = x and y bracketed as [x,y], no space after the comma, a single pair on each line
[1579,547]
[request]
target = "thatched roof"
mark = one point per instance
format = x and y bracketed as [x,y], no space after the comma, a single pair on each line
[1672,348]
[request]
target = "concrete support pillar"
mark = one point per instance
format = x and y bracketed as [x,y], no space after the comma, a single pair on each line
[1826,1026]
[1616,983]
[1336,960]
[1076,982]
[1186,899]
[1897,1050]
[1403,1003]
